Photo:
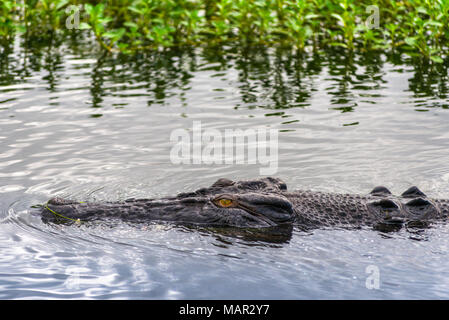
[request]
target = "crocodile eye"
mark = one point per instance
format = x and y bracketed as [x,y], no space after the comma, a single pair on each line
[225,203]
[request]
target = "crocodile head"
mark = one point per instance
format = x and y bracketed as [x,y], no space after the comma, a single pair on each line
[245,204]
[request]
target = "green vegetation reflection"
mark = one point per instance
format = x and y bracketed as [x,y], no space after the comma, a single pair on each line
[275,79]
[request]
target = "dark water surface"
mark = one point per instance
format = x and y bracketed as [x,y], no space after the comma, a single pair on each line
[78,124]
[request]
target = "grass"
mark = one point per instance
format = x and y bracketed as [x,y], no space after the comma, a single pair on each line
[417,27]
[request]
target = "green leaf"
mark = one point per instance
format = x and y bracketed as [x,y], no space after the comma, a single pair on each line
[437,59]
[8,4]
[84,26]
[114,35]
[339,17]
[61,4]
[422,10]
[99,8]
[311,16]
[433,23]
[136,10]
[343,5]
[338,44]
[411,41]
[105,21]
[89,8]
[131,25]
[122,46]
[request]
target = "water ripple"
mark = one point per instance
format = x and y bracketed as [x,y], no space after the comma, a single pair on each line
[96,128]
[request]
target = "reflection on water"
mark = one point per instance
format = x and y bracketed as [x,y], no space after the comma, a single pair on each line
[77,123]
[271,78]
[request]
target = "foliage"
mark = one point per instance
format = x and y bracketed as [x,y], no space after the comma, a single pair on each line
[417,27]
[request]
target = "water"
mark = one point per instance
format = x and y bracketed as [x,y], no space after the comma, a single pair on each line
[78,124]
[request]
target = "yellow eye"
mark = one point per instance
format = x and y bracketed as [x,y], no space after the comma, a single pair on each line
[225,202]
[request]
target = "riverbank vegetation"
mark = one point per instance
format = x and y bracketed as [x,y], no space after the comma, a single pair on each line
[416,27]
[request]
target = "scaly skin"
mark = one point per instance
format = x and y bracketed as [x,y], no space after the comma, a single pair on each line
[263,203]
[382,211]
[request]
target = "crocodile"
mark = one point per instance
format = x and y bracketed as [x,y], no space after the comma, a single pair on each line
[263,203]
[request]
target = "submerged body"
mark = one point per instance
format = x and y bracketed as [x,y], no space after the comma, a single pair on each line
[263,203]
